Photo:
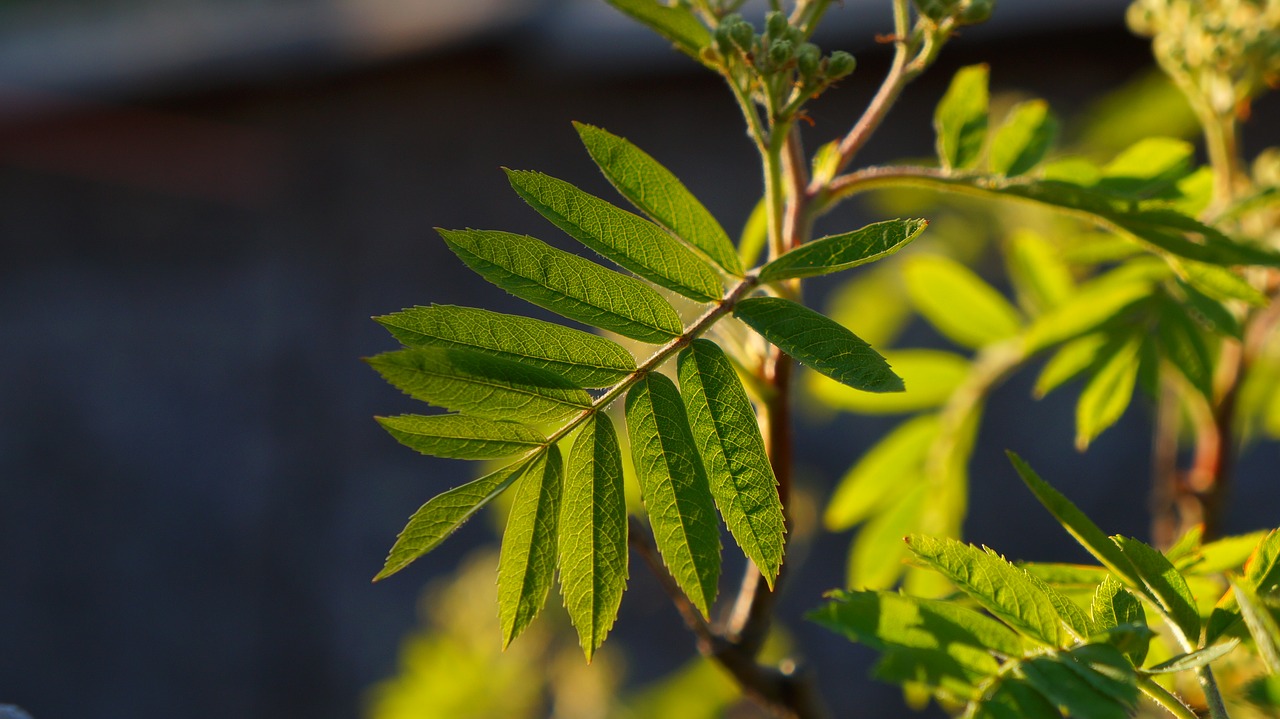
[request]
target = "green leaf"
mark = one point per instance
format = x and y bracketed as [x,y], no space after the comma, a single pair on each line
[1024,138]
[1094,305]
[1102,547]
[528,559]
[889,621]
[1015,699]
[567,284]
[1064,686]
[876,557]
[1222,555]
[674,487]
[1220,283]
[1066,576]
[1107,394]
[461,437]
[728,439]
[881,472]
[1210,313]
[629,240]
[1261,573]
[677,24]
[584,359]
[819,343]
[593,533]
[480,384]
[1262,625]
[959,303]
[845,251]
[1041,279]
[1147,168]
[930,377]
[961,119]
[1194,660]
[1070,361]
[1181,343]
[1113,606]
[1164,583]
[444,513]
[755,234]
[1003,589]
[654,190]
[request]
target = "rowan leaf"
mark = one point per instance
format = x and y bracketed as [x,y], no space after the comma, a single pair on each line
[1003,589]
[1081,686]
[1147,168]
[593,533]
[527,562]
[930,376]
[629,240]
[567,284]
[673,484]
[819,343]
[728,438]
[1107,394]
[1194,660]
[1023,139]
[444,513]
[480,384]
[1113,606]
[1070,361]
[677,24]
[877,555]
[1166,585]
[960,304]
[1262,625]
[1181,343]
[460,436]
[654,190]
[961,119]
[584,359]
[844,251]
[880,473]
[1040,277]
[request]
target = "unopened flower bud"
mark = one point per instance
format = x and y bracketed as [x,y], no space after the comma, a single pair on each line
[743,35]
[840,64]
[807,58]
[776,26]
[780,52]
[976,11]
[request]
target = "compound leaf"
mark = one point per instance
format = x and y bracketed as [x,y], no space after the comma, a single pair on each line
[673,484]
[1000,587]
[819,343]
[961,119]
[461,437]
[629,240]
[1024,138]
[480,384]
[959,303]
[584,359]
[654,190]
[567,284]
[527,563]
[844,251]
[728,439]
[444,513]
[593,533]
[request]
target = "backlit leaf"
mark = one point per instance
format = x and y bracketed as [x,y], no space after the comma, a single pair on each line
[659,194]
[444,513]
[674,486]
[527,563]
[677,24]
[1181,342]
[480,384]
[1041,279]
[961,119]
[1262,625]
[881,472]
[844,251]
[818,343]
[959,303]
[930,376]
[461,437]
[1070,361]
[1164,583]
[1113,606]
[732,450]
[593,533]
[1108,392]
[629,240]
[567,284]
[876,557]
[1147,167]
[1023,139]
[1194,660]
[584,359]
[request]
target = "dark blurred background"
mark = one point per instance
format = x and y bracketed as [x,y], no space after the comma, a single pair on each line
[201,204]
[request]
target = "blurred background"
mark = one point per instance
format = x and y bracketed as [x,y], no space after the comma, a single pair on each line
[201,204]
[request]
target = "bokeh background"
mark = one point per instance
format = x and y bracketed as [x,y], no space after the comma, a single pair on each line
[201,204]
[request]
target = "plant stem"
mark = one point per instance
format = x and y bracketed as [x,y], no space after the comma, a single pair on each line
[1164,698]
[1213,697]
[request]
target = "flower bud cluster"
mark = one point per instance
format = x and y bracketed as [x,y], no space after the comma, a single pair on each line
[1230,49]
[781,51]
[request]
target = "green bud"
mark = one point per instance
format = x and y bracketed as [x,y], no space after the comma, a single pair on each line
[776,26]
[780,52]
[937,10]
[976,11]
[743,35]
[840,64]
[724,41]
[807,58]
